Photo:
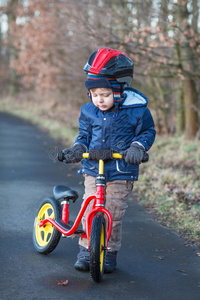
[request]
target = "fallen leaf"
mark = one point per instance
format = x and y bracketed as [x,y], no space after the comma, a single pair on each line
[161,257]
[62,282]
[171,250]
[182,271]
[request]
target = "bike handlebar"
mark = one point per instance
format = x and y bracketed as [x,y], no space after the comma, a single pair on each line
[115,155]
[102,154]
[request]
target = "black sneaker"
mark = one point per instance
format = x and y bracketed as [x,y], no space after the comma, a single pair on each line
[110,262]
[83,260]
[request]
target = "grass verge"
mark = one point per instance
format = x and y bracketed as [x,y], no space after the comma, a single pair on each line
[169,184]
[62,123]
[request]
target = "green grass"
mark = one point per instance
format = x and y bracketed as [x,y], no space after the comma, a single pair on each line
[169,184]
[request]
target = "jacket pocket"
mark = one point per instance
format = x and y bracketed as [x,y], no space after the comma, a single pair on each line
[89,164]
[123,167]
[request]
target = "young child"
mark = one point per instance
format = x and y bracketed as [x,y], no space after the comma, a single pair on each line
[116,118]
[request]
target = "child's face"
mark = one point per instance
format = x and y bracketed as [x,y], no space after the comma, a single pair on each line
[102,98]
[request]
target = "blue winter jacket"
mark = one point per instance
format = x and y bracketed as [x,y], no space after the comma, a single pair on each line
[108,129]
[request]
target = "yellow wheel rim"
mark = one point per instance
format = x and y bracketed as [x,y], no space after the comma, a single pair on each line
[44,234]
[102,245]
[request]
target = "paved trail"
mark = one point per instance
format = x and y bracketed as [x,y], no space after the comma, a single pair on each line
[153,264]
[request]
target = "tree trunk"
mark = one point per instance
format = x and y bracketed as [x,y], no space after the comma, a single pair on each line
[180,112]
[191,118]
[187,60]
[195,15]
[163,16]
[13,88]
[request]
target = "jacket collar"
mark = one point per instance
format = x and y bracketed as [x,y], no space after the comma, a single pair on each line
[133,98]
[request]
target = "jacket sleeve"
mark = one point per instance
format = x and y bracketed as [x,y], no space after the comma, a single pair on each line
[85,131]
[145,132]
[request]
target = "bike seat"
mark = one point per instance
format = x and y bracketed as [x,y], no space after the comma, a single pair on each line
[63,192]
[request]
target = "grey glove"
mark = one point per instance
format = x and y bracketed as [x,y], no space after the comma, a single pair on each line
[134,154]
[72,155]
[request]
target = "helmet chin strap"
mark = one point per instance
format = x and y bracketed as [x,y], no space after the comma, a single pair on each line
[117,104]
[121,91]
[89,95]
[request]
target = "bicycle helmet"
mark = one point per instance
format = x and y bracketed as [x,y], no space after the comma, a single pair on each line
[109,68]
[109,62]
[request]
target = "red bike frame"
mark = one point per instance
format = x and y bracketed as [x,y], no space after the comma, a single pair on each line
[98,207]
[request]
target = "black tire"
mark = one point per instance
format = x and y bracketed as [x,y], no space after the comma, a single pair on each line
[46,238]
[97,248]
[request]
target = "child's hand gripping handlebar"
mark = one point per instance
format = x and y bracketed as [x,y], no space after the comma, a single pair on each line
[103,154]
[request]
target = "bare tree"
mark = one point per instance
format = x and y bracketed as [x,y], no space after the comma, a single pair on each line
[55,38]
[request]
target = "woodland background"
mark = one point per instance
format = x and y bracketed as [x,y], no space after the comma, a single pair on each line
[45,44]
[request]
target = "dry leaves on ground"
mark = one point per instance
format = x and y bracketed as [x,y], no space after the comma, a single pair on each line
[63,282]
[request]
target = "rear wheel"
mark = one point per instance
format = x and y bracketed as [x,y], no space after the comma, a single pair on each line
[46,238]
[97,248]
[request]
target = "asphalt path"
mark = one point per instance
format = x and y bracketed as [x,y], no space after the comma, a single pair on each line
[153,264]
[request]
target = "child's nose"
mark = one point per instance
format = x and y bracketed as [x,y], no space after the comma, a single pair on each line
[100,99]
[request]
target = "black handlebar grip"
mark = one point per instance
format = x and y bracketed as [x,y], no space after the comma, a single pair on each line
[60,156]
[145,158]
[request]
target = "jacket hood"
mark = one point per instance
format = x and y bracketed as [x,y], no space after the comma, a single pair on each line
[133,98]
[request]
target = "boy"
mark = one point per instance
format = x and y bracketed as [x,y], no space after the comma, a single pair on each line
[116,118]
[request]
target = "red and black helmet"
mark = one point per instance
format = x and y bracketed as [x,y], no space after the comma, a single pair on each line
[109,62]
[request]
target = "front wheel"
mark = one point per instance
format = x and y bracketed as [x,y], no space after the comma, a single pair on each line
[97,248]
[46,238]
